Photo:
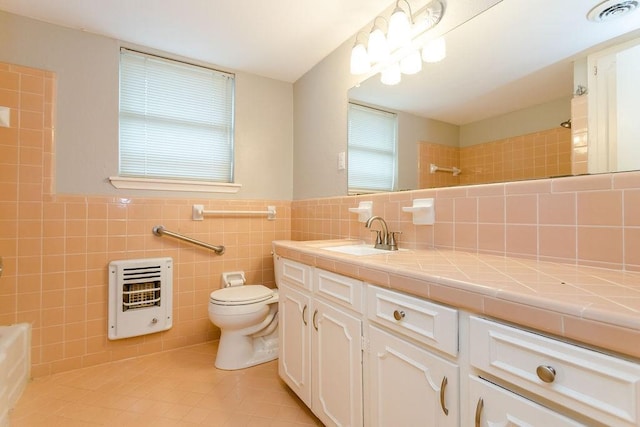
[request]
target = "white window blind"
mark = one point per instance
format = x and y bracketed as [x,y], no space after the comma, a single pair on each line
[372,149]
[176,120]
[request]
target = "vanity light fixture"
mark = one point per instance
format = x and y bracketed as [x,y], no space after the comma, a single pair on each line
[400,25]
[404,47]
[359,58]
[412,63]
[391,75]
[378,49]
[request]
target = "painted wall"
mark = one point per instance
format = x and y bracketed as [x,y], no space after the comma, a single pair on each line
[61,223]
[320,126]
[86,67]
[56,247]
[521,122]
[412,130]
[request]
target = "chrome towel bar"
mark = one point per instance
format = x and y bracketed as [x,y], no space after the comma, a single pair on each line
[159,230]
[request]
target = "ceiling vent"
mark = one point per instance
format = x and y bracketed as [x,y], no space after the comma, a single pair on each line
[611,9]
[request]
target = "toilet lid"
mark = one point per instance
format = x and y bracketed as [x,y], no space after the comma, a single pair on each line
[241,294]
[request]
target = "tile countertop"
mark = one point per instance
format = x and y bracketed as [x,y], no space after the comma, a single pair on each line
[591,305]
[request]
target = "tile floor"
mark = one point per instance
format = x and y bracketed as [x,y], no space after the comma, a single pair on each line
[176,388]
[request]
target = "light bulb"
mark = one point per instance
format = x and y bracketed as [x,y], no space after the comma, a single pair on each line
[411,64]
[390,75]
[378,49]
[399,29]
[359,60]
[435,50]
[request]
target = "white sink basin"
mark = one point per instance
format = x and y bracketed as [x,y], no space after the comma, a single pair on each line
[358,250]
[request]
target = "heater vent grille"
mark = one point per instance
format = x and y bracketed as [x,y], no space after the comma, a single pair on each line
[141,287]
[140,293]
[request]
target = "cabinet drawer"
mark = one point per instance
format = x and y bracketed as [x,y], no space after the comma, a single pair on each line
[601,387]
[424,321]
[339,289]
[292,273]
[491,405]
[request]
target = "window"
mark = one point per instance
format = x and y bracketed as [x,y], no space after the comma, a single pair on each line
[372,149]
[176,120]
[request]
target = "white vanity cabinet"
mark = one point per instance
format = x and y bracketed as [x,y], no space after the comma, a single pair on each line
[407,383]
[320,340]
[364,355]
[589,386]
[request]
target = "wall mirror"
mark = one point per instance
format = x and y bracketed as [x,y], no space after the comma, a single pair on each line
[515,97]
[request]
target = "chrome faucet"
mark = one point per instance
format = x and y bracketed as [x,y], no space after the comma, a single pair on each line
[384,239]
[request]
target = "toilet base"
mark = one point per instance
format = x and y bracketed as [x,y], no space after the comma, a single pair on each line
[236,351]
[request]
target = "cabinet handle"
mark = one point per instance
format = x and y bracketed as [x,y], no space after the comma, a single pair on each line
[315,325]
[304,310]
[443,386]
[546,373]
[398,315]
[479,408]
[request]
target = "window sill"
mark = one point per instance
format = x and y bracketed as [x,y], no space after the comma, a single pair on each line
[172,185]
[360,191]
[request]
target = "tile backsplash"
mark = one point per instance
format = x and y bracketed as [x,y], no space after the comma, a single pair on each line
[589,220]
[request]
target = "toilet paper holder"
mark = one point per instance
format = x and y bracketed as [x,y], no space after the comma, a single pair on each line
[232,278]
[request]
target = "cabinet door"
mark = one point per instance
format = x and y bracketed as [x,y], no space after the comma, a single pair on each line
[337,366]
[294,362]
[409,385]
[494,406]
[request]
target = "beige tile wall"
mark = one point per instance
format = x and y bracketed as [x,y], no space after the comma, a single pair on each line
[588,220]
[56,248]
[537,155]
[439,155]
[580,135]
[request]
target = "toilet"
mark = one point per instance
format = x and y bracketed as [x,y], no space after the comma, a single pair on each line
[247,316]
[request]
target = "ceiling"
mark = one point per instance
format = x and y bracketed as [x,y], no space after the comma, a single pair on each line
[279,39]
[515,55]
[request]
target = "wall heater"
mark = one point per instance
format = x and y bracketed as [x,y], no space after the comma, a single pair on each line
[140,297]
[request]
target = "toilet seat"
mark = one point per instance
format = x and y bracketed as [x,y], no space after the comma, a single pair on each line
[241,295]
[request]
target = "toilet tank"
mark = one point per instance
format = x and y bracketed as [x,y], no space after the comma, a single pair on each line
[140,297]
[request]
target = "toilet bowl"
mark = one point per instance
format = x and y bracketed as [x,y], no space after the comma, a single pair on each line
[247,316]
